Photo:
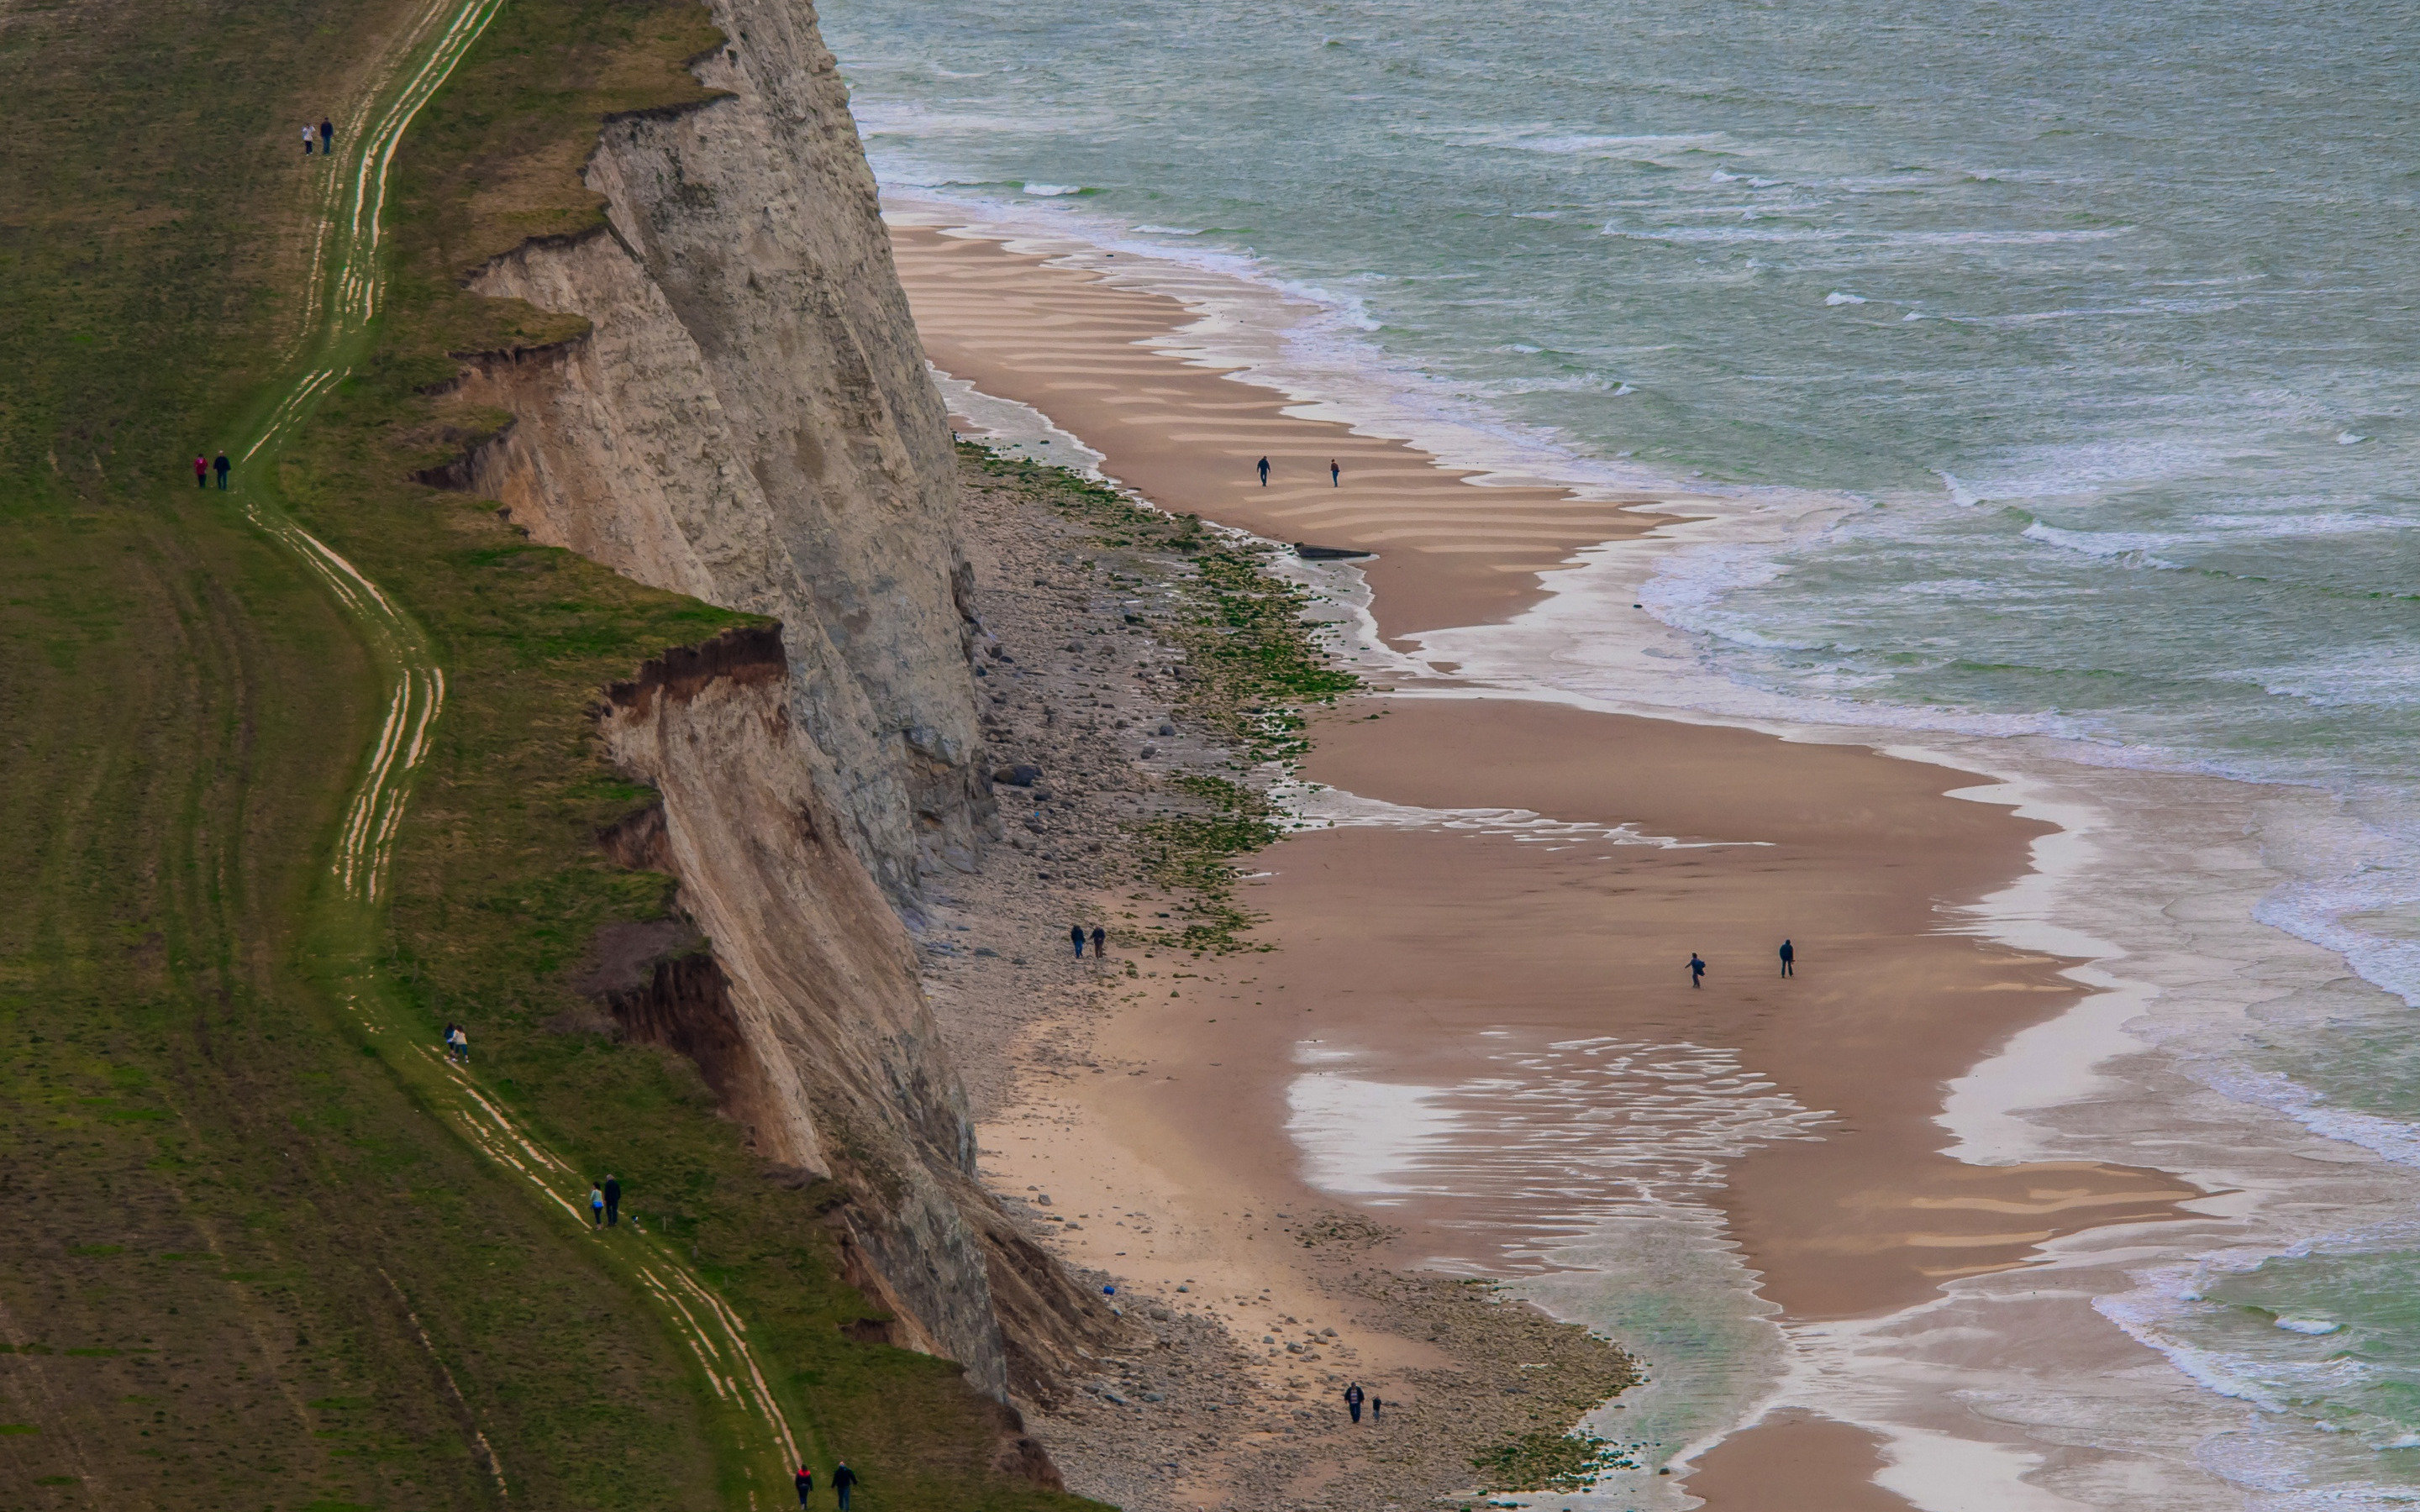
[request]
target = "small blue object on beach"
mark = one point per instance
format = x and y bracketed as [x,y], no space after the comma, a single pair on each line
[1108,1292]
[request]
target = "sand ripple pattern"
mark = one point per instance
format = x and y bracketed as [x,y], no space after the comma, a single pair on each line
[1548,1147]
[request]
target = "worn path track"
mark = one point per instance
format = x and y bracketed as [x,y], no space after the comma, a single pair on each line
[341,303]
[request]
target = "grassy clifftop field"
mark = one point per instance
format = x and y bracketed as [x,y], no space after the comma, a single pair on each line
[248,1261]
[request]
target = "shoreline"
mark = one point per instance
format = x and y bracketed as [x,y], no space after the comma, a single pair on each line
[1067,407]
[1187,1408]
[1801,1217]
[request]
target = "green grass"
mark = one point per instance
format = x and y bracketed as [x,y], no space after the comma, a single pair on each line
[1545,1460]
[246,1265]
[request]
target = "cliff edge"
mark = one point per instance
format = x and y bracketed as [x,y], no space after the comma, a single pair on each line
[749,421]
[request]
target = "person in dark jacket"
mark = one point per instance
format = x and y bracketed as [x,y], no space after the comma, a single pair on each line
[1075,935]
[1789,959]
[222,466]
[612,1202]
[1696,970]
[1100,942]
[1353,1400]
[1265,471]
[843,1478]
[327,135]
[805,1480]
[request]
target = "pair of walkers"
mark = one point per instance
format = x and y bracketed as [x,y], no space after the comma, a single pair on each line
[326,133]
[202,466]
[844,1480]
[1354,1398]
[1335,474]
[1788,952]
[605,1203]
[1100,941]
[458,1044]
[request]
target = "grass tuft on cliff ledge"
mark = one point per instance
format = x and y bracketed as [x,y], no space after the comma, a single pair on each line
[244,1266]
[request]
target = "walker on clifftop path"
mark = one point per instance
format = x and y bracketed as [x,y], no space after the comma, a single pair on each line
[340,306]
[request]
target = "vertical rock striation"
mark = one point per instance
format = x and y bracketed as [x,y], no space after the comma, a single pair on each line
[810,1022]
[750,422]
[836,1050]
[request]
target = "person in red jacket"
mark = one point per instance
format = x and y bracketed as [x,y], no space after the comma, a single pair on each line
[201,470]
[805,1481]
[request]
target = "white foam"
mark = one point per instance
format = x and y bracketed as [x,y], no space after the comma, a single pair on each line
[1305,341]
[2308,1325]
[1053,191]
[2180,999]
[2133,549]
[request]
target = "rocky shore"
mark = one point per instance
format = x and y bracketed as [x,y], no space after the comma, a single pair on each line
[1121,741]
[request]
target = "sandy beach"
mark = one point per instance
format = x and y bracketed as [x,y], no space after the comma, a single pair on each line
[1071,345]
[1530,981]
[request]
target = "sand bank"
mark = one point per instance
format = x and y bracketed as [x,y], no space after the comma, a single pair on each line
[1078,349]
[1489,1038]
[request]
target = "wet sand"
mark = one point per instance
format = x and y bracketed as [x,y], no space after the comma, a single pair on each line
[1067,343]
[1537,991]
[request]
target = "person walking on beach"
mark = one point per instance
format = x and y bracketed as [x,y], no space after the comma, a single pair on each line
[201,470]
[1335,474]
[843,1478]
[805,1480]
[1100,944]
[1076,937]
[221,466]
[612,1201]
[1789,959]
[1696,970]
[327,137]
[597,1205]
[1265,473]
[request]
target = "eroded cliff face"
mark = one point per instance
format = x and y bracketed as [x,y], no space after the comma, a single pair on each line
[808,1020]
[750,422]
[836,1066]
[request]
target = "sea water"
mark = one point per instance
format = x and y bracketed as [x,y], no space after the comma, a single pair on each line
[2049,372]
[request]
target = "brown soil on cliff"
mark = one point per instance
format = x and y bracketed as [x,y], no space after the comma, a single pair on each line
[1233,1396]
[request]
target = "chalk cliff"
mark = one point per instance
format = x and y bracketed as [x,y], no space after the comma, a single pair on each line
[808,1021]
[750,422]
